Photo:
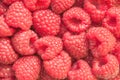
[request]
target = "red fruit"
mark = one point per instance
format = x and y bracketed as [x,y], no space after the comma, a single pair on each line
[81,71]
[112,21]
[59,6]
[116,78]
[106,67]
[5,30]
[48,47]
[101,41]
[37,4]
[3,8]
[76,19]
[59,66]
[8,78]
[46,22]
[23,42]
[8,2]
[27,68]
[18,16]
[76,45]
[79,3]
[7,54]
[6,71]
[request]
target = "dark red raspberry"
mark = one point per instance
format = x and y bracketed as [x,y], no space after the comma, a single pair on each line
[59,66]
[59,6]
[81,71]
[48,47]
[3,8]
[46,22]
[106,67]
[27,68]
[7,54]
[18,16]
[76,45]
[37,4]
[8,2]
[101,41]
[79,3]
[23,42]
[112,21]
[76,19]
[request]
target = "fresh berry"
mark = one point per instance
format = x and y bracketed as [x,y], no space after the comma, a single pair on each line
[3,8]
[8,2]
[7,54]
[48,47]
[101,41]
[79,3]
[18,16]
[59,66]
[46,22]
[76,45]
[76,19]
[23,42]
[116,78]
[8,78]
[27,68]
[5,29]
[59,6]
[112,21]
[37,4]
[81,71]
[106,67]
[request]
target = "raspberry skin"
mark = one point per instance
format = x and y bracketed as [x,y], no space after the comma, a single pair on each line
[5,29]
[33,5]
[46,22]
[27,68]
[106,67]
[7,54]
[59,6]
[112,21]
[76,19]
[116,78]
[59,66]
[3,8]
[81,71]
[18,16]
[23,42]
[76,45]
[8,2]
[79,3]
[101,41]
[48,47]
[8,78]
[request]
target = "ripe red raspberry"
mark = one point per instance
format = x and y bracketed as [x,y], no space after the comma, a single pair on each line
[18,16]
[101,41]
[76,45]
[7,54]
[23,42]
[106,67]
[48,47]
[3,8]
[116,78]
[27,68]
[5,30]
[37,4]
[59,6]
[81,71]
[8,2]
[59,66]
[46,22]
[112,21]
[6,71]
[76,19]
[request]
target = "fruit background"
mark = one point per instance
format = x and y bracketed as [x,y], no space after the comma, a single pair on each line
[59,39]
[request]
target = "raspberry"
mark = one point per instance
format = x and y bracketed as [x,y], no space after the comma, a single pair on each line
[101,41]
[7,54]
[59,6]
[27,68]
[48,47]
[76,45]
[8,78]
[106,67]
[18,16]
[59,66]
[116,78]
[3,8]
[76,19]
[5,29]
[6,71]
[79,3]
[37,4]
[8,2]
[23,42]
[46,22]
[112,21]
[81,71]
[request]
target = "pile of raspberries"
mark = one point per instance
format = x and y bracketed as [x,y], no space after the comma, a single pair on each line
[59,39]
